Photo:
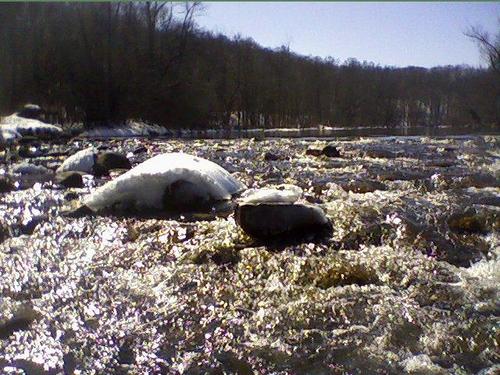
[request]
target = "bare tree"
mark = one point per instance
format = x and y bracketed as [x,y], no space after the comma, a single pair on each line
[488,45]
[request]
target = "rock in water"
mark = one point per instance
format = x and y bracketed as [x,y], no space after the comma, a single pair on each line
[69,179]
[167,181]
[82,161]
[6,184]
[363,186]
[270,156]
[31,111]
[273,213]
[331,151]
[314,152]
[30,169]
[91,161]
[110,160]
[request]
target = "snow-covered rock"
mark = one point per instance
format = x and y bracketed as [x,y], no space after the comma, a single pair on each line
[82,161]
[166,180]
[130,129]
[29,127]
[277,213]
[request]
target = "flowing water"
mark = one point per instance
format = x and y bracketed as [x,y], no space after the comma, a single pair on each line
[408,282]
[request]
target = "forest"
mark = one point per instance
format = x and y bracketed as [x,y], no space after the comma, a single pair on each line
[103,63]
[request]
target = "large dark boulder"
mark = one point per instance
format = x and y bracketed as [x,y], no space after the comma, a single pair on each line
[273,213]
[267,221]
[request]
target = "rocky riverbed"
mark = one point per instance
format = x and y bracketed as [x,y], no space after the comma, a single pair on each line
[407,281]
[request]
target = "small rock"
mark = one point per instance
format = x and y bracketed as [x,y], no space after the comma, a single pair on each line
[71,196]
[269,156]
[331,151]
[314,152]
[110,160]
[6,184]
[139,150]
[70,179]
[15,317]
[29,227]
[272,213]
[77,211]
[380,153]
[117,172]
[363,186]
[32,111]
[4,232]
[28,151]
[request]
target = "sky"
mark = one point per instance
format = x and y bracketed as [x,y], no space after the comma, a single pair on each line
[394,34]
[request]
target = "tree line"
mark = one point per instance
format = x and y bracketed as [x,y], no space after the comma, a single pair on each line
[103,63]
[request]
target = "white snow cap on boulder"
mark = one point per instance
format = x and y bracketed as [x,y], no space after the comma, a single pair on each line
[283,194]
[82,161]
[31,127]
[144,186]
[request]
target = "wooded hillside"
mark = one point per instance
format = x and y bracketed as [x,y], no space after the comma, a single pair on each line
[106,62]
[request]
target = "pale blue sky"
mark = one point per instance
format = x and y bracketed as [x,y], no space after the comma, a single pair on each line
[398,34]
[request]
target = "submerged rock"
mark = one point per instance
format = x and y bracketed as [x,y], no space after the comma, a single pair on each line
[168,181]
[273,213]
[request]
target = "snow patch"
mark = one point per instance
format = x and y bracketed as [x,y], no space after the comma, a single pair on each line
[144,186]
